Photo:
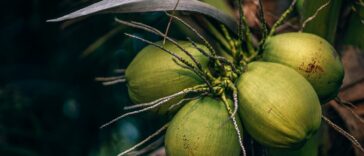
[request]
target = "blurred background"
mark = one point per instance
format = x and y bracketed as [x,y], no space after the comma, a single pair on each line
[50,103]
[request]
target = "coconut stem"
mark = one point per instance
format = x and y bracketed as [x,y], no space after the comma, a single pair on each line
[344,102]
[235,48]
[216,58]
[184,100]
[111,80]
[145,140]
[170,22]
[233,118]
[159,33]
[344,133]
[348,105]
[208,45]
[155,104]
[201,74]
[163,98]
[282,18]
[164,49]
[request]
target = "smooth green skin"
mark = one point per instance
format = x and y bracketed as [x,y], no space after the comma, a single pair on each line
[311,56]
[202,128]
[278,107]
[311,148]
[153,74]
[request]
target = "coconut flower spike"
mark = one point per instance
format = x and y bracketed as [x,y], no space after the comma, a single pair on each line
[348,105]
[282,18]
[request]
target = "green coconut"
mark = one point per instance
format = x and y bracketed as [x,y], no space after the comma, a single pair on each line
[153,74]
[311,56]
[202,127]
[278,107]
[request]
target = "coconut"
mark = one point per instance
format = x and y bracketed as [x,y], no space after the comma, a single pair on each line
[278,107]
[153,74]
[202,127]
[311,56]
[311,148]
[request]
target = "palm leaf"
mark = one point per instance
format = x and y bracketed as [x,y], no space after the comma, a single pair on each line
[136,6]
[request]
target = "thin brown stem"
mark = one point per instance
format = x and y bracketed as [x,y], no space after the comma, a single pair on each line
[208,45]
[197,72]
[348,105]
[159,33]
[220,58]
[348,86]
[164,49]
[347,135]
[169,23]
[158,103]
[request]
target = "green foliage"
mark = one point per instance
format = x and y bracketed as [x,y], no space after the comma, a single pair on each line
[355,29]
[325,23]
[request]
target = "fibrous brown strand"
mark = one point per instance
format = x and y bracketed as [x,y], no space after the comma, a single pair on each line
[208,45]
[153,104]
[111,80]
[159,33]
[344,133]
[170,22]
[145,140]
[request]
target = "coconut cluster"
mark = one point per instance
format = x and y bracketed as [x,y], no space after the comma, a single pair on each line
[275,99]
